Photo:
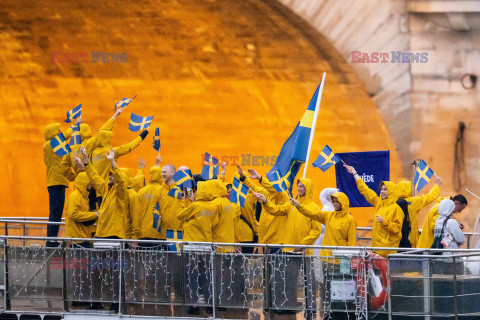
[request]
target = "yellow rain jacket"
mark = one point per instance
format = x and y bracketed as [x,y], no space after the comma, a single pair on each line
[202,216]
[426,237]
[224,231]
[243,232]
[55,175]
[139,180]
[77,210]
[414,205]
[147,198]
[389,232]
[99,158]
[88,142]
[340,226]
[132,208]
[112,216]
[299,229]
[269,226]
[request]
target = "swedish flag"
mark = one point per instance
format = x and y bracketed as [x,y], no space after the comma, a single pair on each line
[138,123]
[156,140]
[210,167]
[175,193]
[294,151]
[74,113]
[123,103]
[239,192]
[326,159]
[75,139]
[423,174]
[174,235]
[183,179]
[157,219]
[59,145]
[277,181]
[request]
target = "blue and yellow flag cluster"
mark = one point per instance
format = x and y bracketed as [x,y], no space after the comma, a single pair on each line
[59,145]
[74,113]
[174,235]
[326,159]
[176,193]
[123,103]
[183,179]
[423,174]
[239,192]
[138,123]
[210,167]
[294,150]
[75,139]
[157,219]
[156,140]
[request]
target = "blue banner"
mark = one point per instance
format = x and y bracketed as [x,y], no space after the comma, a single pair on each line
[372,166]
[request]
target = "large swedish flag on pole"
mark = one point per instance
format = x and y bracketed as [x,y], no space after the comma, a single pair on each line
[59,145]
[138,123]
[296,149]
[423,174]
[74,113]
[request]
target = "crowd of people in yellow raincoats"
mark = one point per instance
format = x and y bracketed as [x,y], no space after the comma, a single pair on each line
[109,202]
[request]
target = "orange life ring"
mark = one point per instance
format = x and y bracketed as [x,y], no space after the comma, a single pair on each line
[373,261]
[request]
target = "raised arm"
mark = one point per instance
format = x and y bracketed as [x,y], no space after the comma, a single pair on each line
[100,185]
[368,193]
[139,179]
[128,147]
[426,199]
[317,215]
[119,179]
[271,208]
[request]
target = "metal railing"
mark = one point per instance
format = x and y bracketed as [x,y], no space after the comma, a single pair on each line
[220,280]
[24,226]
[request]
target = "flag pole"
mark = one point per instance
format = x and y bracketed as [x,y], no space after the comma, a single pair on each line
[317,108]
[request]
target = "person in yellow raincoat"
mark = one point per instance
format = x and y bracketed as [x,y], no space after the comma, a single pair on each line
[299,230]
[98,156]
[340,226]
[78,218]
[415,204]
[56,181]
[132,207]
[112,215]
[388,220]
[200,217]
[88,141]
[269,226]
[427,236]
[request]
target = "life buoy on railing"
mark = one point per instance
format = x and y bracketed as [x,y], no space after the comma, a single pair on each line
[373,261]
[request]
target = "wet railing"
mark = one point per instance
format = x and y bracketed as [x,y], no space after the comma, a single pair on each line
[233,281]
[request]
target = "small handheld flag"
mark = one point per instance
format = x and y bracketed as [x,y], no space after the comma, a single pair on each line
[423,174]
[239,192]
[156,140]
[210,167]
[175,193]
[123,103]
[157,219]
[174,235]
[74,113]
[75,139]
[59,145]
[326,159]
[138,123]
[277,181]
[183,179]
